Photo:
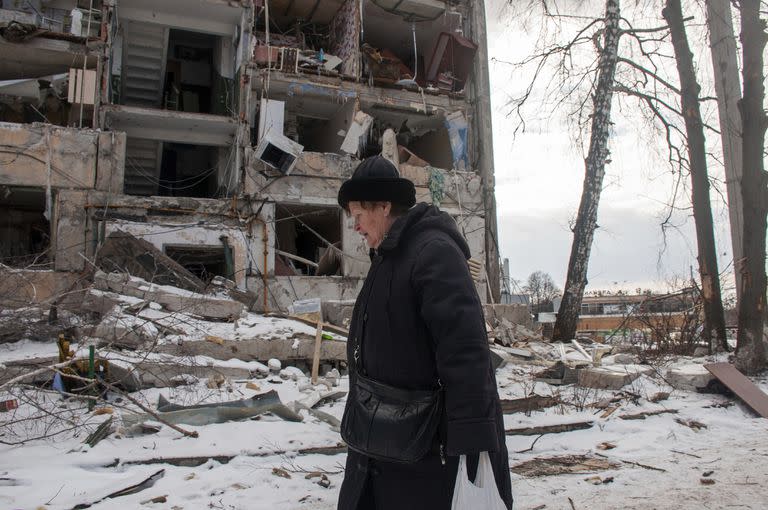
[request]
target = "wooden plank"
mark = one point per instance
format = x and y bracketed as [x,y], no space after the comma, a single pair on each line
[527,404]
[326,325]
[745,389]
[549,429]
[644,415]
[316,356]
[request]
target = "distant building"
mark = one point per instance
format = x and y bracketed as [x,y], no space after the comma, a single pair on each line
[608,313]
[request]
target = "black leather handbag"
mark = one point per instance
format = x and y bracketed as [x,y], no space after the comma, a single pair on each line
[389,423]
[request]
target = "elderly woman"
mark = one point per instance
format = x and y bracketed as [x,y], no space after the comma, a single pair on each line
[417,325]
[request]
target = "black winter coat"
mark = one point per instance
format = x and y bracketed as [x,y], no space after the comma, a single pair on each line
[418,318]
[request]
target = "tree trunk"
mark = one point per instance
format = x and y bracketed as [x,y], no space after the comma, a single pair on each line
[714,317]
[750,351]
[586,220]
[728,89]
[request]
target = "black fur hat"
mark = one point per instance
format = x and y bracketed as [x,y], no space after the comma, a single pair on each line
[377,179]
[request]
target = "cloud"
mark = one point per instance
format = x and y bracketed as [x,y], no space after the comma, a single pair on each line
[628,250]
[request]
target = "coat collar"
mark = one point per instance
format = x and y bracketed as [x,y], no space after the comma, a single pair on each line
[397,232]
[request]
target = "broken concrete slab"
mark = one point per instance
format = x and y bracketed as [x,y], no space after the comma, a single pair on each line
[515,313]
[299,347]
[612,377]
[124,253]
[688,377]
[508,333]
[163,374]
[330,419]
[172,298]
[558,374]
[622,358]
[125,331]
[338,312]
[498,358]
[99,303]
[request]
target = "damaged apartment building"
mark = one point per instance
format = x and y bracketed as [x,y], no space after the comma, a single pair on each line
[219,131]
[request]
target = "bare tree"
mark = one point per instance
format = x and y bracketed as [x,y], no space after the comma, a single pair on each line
[542,290]
[714,317]
[641,70]
[750,352]
[586,221]
[728,90]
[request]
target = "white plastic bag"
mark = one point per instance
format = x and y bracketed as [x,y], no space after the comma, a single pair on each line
[483,494]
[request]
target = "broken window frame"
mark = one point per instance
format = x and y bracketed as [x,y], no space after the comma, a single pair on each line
[304,217]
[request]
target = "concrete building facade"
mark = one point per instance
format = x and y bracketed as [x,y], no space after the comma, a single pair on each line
[220,131]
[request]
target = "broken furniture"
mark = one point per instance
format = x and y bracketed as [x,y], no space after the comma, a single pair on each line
[383,66]
[278,151]
[451,62]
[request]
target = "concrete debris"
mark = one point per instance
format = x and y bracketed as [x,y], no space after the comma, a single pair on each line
[124,253]
[292,373]
[612,377]
[558,374]
[517,314]
[291,349]
[173,299]
[331,420]
[125,332]
[498,358]
[688,377]
[620,359]
[183,380]
[509,333]
[338,312]
[215,382]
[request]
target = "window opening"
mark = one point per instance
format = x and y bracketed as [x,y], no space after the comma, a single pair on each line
[205,262]
[24,230]
[299,249]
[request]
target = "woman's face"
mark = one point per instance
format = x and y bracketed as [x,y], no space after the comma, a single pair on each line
[372,223]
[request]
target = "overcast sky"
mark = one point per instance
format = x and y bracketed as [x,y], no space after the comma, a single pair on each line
[539,176]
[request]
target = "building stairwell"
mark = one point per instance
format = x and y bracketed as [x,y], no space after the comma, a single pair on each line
[144,55]
[142,166]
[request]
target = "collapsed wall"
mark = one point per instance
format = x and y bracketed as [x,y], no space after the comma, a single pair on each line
[225,153]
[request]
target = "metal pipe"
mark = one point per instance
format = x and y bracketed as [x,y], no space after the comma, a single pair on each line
[297,258]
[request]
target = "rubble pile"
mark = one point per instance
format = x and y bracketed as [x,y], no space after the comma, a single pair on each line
[194,381]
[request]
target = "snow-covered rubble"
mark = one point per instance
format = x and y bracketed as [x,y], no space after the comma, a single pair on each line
[633,433]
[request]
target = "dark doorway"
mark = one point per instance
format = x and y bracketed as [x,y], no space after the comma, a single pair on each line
[24,230]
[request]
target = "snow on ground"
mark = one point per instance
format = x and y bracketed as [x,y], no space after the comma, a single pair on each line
[660,462]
